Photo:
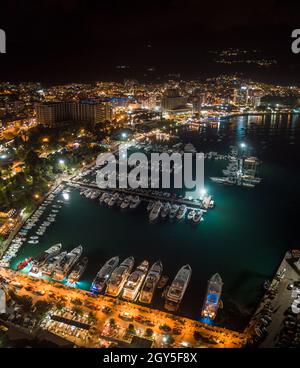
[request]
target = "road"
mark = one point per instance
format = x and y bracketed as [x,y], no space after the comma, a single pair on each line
[90,304]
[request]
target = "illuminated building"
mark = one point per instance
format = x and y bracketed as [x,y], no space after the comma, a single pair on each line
[53,113]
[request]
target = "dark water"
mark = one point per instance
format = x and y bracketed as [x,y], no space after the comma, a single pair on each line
[243,238]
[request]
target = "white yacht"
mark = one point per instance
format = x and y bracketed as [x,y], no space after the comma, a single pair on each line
[119,276]
[135,202]
[104,274]
[134,282]
[150,284]
[165,210]
[67,263]
[173,211]
[125,203]
[197,217]
[155,211]
[178,287]
[181,212]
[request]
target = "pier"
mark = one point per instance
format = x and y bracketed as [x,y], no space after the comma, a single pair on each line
[144,195]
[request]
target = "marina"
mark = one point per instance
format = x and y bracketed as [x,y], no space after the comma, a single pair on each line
[202,246]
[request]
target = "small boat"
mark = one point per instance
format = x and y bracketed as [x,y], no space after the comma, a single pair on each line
[33,241]
[23,264]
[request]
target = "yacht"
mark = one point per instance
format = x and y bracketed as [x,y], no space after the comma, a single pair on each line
[78,270]
[173,211]
[49,266]
[155,211]
[103,196]
[67,263]
[191,214]
[178,288]
[150,284]
[43,257]
[104,274]
[113,199]
[125,203]
[135,202]
[134,282]
[165,210]
[197,217]
[181,212]
[119,277]
[213,295]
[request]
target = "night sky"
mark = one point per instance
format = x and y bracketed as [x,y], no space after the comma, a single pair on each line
[57,41]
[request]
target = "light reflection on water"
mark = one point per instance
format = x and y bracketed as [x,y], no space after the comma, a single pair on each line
[243,238]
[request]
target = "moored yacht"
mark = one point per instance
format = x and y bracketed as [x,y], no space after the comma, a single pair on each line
[173,211]
[213,295]
[191,214]
[125,203]
[135,202]
[113,199]
[197,217]
[119,277]
[78,270]
[43,257]
[67,263]
[165,210]
[134,282]
[49,266]
[150,283]
[178,288]
[104,274]
[155,211]
[181,212]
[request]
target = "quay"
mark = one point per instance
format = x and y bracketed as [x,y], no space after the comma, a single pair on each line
[209,336]
[144,196]
[275,303]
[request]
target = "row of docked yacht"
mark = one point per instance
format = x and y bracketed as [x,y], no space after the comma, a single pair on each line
[90,193]
[23,234]
[121,281]
[60,265]
[112,199]
[156,208]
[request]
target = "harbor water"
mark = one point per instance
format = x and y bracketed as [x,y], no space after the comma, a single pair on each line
[243,238]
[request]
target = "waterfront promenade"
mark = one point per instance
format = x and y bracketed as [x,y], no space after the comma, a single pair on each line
[210,336]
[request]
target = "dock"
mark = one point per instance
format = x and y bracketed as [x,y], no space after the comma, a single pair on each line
[190,204]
